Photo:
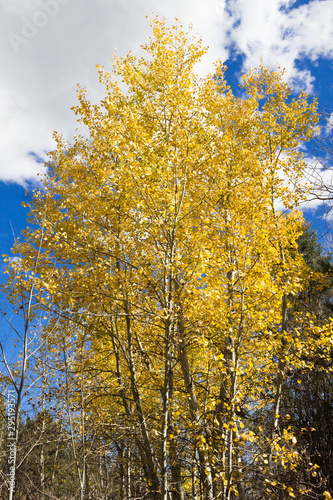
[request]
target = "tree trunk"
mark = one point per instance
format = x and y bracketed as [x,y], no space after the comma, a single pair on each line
[151,464]
[165,412]
[205,472]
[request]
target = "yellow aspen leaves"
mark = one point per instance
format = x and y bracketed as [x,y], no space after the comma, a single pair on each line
[162,247]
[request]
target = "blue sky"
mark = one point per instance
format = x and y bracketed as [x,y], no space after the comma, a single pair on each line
[48,46]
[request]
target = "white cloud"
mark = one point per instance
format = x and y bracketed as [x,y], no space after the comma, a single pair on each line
[48,46]
[277,33]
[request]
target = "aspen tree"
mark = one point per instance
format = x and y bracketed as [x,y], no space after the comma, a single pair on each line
[163,241]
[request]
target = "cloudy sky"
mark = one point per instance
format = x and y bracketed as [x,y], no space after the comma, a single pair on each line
[48,46]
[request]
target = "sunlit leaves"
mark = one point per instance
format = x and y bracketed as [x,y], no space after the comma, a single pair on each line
[164,237]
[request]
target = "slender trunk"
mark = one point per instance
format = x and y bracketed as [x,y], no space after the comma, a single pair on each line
[80,472]
[226,406]
[205,471]
[128,473]
[86,482]
[19,395]
[281,364]
[149,461]
[151,464]
[279,385]
[240,482]
[175,462]
[55,462]
[122,472]
[176,475]
[165,412]
[194,477]
[234,460]
[42,460]
[101,479]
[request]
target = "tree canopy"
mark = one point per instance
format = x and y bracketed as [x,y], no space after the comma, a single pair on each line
[163,248]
